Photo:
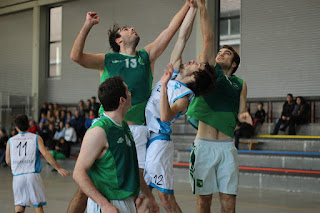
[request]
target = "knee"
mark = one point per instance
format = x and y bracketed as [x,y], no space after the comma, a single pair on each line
[204,201]
[228,203]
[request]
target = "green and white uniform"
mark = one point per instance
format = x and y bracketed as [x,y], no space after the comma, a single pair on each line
[136,72]
[116,174]
[218,109]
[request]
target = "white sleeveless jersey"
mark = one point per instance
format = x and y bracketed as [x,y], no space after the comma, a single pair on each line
[175,90]
[24,154]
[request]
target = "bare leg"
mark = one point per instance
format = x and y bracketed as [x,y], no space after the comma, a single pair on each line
[168,202]
[78,203]
[39,209]
[204,203]
[228,203]
[19,209]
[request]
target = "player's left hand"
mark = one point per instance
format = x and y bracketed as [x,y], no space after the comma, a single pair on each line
[63,172]
[245,117]
[167,74]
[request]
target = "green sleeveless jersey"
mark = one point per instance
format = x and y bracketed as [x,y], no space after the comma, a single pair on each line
[116,174]
[220,107]
[136,72]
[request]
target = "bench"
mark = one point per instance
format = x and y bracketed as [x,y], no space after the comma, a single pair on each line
[252,143]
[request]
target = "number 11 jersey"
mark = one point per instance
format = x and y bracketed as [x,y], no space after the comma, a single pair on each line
[24,154]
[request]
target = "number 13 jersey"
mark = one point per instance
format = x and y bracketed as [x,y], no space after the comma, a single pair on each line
[24,154]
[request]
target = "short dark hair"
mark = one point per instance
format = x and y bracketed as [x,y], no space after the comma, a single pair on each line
[205,80]
[22,122]
[110,91]
[236,57]
[289,94]
[113,35]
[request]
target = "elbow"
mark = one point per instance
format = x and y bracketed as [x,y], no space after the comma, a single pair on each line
[208,36]
[75,175]
[165,118]
[75,58]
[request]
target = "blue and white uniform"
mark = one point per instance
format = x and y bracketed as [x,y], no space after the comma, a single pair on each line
[159,157]
[26,167]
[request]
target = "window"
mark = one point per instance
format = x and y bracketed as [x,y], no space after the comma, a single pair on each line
[55,42]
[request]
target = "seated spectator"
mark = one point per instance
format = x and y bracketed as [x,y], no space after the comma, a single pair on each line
[50,117]
[42,131]
[43,109]
[62,150]
[50,142]
[56,108]
[259,116]
[243,130]
[69,118]
[60,131]
[43,118]
[32,127]
[3,143]
[57,117]
[89,120]
[94,105]
[70,134]
[300,115]
[287,109]
[13,133]
[63,116]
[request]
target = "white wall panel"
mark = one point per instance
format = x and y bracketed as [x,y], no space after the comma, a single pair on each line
[280,47]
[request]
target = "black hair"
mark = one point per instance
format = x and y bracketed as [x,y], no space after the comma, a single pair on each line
[22,122]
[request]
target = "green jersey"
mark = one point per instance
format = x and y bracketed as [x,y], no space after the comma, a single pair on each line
[220,107]
[136,72]
[116,174]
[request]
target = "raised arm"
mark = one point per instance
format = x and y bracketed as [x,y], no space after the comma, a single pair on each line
[93,147]
[207,34]
[156,48]
[50,159]
[243,115]
[168,112]
[87,60]
[184,34]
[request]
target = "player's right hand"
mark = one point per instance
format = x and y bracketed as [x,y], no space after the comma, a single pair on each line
[92,18]
[63,172]
[167,74]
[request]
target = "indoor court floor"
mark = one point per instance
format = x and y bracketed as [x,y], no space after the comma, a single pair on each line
[59,191]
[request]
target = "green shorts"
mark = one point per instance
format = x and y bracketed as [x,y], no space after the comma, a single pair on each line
[214,167]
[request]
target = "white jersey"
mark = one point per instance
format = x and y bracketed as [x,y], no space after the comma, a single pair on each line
[24,154]
[175,90]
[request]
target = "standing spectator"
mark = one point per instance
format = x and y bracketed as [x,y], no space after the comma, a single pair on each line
[78,124]
[81,108]
[32,127]
[88,106]
[43,132]
[94,105]
[3,143]
[43,109]
[62,150]
[259,116]
[89,119]
[50,143]
[300,115]
[70,134]
[287,109]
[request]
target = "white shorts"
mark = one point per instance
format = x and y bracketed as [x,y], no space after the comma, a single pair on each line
[28,187]
[159,163]
[123,206]
[140,136]
[214,167]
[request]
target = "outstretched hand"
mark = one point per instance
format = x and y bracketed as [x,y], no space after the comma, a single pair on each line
[245,117]
[201,2]
[63,172]
[167,74]
[93,18]
[192,3]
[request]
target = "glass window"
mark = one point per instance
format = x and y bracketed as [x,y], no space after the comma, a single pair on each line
[224,26]
[235,26]
[55,42]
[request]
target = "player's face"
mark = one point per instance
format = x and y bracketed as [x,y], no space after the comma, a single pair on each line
[224,58]
[128,34]
[188,69]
